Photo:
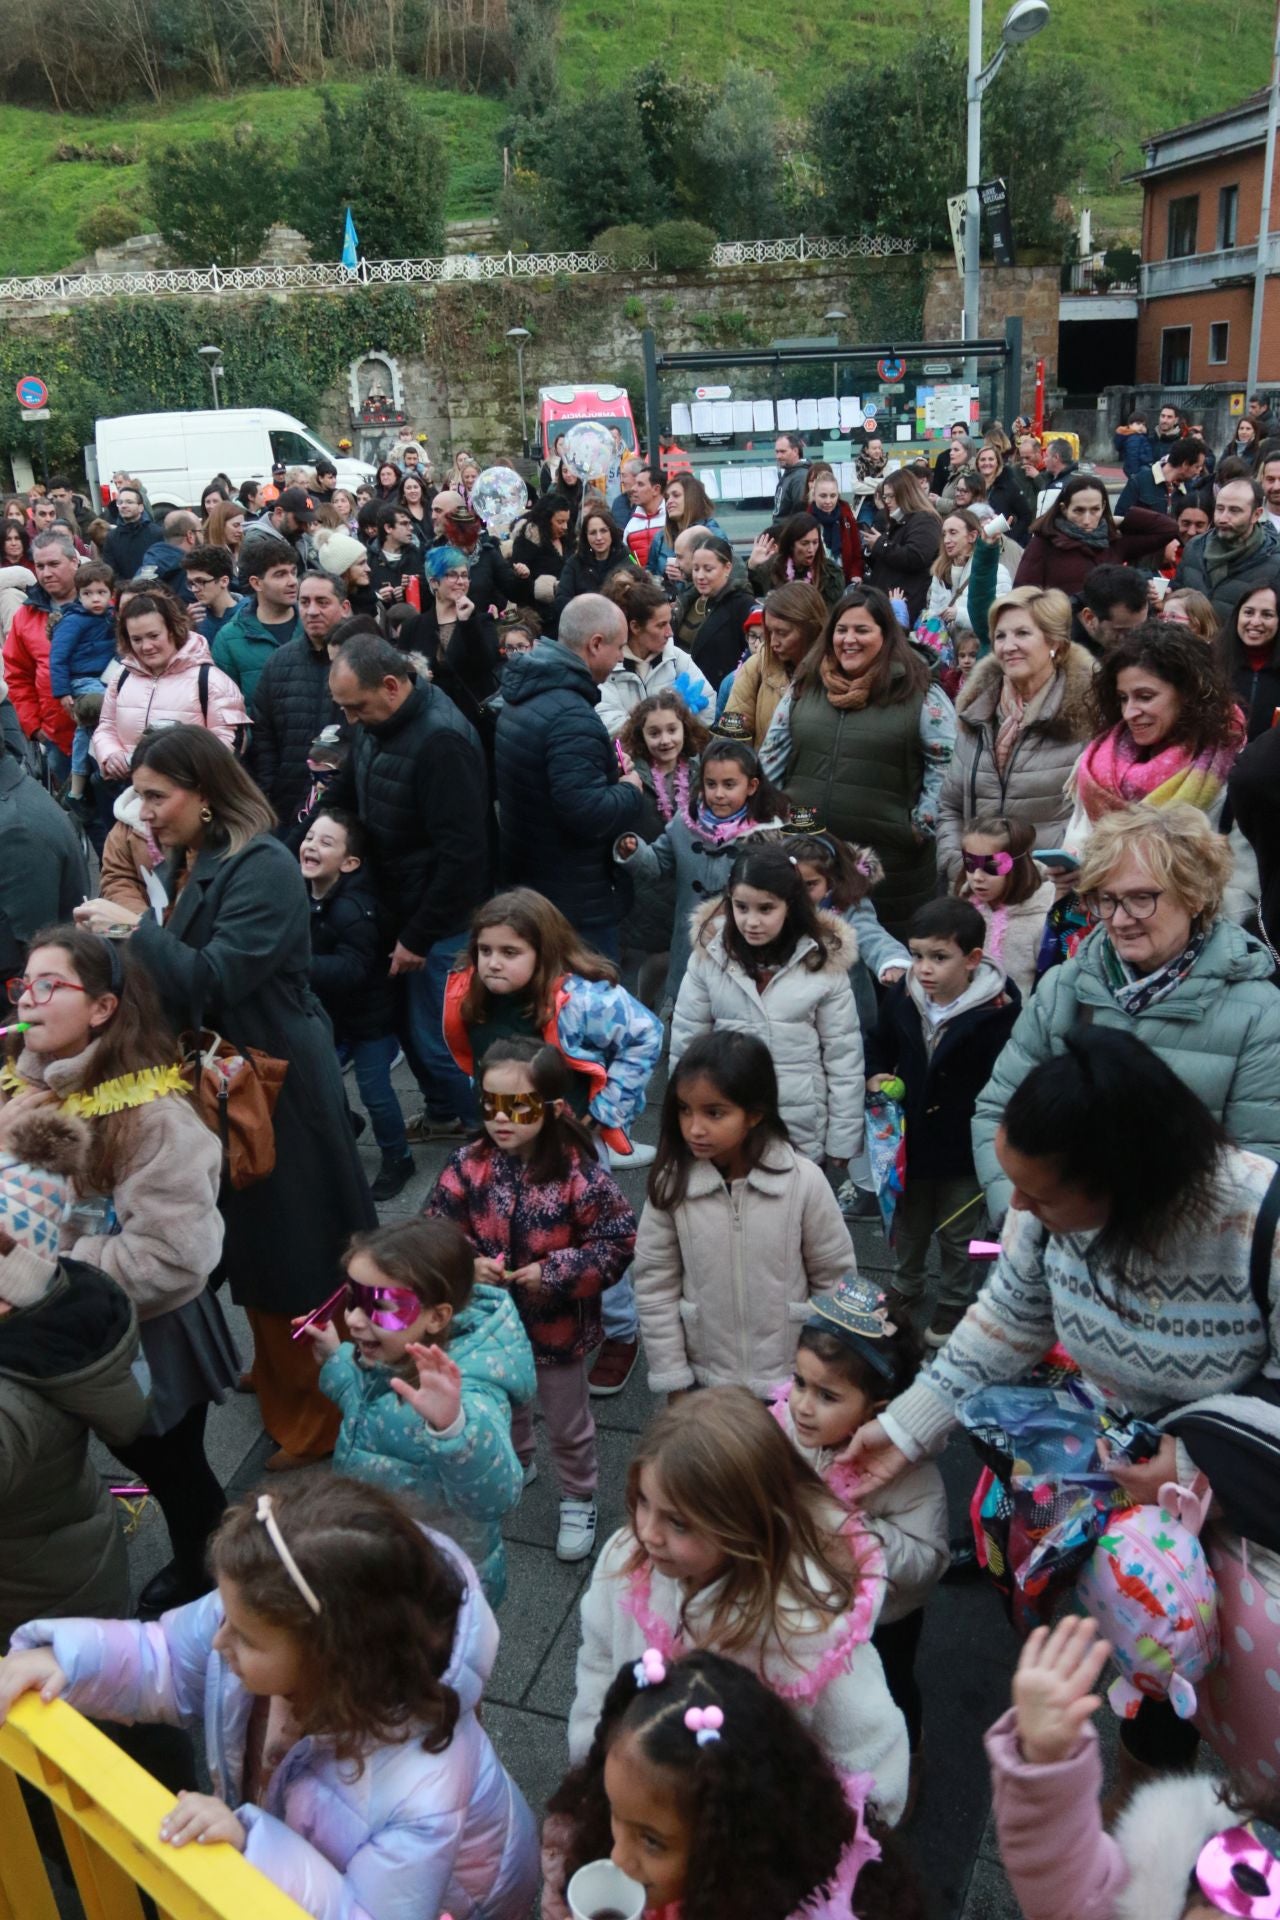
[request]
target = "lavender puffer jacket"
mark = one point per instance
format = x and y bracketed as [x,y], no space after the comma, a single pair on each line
[416,1833]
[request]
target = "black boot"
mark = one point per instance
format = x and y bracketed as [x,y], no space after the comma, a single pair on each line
[171,1587]
[394,1175]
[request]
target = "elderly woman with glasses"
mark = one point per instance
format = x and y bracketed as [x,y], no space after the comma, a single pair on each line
[1164,965]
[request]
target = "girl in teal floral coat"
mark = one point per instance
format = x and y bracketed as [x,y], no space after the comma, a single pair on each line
[427,1382]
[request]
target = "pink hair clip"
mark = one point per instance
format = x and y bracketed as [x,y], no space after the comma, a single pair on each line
[650,1669]
[704,1723]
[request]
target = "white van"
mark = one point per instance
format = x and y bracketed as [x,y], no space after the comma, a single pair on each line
[175,455]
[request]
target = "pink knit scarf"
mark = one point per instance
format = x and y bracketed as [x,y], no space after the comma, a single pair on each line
[1110,775]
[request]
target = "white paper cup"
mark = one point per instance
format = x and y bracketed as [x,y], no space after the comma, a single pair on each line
[602,1888]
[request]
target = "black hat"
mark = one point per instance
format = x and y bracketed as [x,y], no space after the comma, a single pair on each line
[298,502]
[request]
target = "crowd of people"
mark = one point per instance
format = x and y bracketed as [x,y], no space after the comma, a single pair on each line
[944,816]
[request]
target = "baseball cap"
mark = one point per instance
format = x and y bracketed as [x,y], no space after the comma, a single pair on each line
[298,502]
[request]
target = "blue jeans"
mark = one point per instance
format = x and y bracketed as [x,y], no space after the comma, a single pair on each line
[373,1077]
[445,1088]
[618,1312]
[83,683]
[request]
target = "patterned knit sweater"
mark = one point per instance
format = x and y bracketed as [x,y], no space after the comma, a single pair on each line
[1158,1337]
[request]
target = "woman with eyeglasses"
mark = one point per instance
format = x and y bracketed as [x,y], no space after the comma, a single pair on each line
[1164,965]
[230,950]
[456,638]
[97,1044]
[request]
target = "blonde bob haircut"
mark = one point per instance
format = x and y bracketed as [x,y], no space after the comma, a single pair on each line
[1049,608]
[1177,846]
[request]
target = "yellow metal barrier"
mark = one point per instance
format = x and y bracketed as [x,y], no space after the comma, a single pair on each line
[109,1811]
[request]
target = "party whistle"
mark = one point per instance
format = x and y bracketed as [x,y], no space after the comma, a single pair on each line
[15,1026]
[321,1313]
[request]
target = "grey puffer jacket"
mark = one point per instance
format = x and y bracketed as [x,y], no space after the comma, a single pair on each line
[1219,1031]
[1033,786]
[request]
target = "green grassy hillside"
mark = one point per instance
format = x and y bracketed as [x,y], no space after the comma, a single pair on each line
[1155,65]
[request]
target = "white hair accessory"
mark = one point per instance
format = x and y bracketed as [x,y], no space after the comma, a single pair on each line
[287,1560]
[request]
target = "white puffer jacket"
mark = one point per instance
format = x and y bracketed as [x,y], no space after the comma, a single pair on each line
[806,1017]
[724,1281]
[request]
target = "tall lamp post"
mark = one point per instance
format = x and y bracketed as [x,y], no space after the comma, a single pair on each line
[519,338]
[833,316]
[212,356]
[1023,21]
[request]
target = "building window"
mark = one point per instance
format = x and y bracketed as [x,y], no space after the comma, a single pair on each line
[1182,226]
[1228,217]
[1175,356]
[1219,334]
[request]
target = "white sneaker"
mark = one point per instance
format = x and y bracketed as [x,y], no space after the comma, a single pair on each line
[639,1156]
[530,1473]
[577,1533]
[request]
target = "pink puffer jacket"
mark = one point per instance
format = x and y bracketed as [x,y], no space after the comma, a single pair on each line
[139,699]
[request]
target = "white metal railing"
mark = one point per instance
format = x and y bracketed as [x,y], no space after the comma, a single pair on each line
[462,266]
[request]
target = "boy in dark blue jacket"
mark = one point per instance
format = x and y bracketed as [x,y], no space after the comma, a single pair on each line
[82,645]
[349,976]
[940,1030]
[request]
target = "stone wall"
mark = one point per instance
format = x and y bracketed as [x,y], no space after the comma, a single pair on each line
[1032,292]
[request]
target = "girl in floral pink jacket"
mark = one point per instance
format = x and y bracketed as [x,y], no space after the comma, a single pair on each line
[548,1222]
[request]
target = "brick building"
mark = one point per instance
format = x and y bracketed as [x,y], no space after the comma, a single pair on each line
[1202,200]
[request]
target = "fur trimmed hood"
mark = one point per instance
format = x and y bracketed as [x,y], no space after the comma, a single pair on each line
[46,1138]
[1070,717]
[1160,1833]
[704,924]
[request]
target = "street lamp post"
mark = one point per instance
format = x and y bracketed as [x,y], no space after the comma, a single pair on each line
[833,316]
[212,356]
[519,338]
[1023,21]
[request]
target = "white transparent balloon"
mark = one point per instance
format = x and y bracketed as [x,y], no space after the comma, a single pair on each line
[499,496]
[589,450]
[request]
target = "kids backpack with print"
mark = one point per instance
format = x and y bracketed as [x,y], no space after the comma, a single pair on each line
[1149,1587]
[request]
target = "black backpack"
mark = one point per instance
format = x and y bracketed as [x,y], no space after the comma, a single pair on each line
[206,667]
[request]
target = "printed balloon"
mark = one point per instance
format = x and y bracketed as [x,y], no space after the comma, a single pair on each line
[499,496]
[589,450]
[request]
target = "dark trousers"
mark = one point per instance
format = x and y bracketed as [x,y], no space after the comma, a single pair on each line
[897,1644]
[184,1484]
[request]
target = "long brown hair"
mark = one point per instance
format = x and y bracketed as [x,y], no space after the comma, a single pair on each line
[555,942]
[631,739]
[373,1659]
[908,493]
[195,759]
[733,1476]
[137,1036]
[898,672]
[216,525]
[697,506]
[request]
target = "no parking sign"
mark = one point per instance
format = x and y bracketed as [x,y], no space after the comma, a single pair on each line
[891,369]
[31,391]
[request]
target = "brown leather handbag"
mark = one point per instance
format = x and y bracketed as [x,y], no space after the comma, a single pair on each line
[234,1090]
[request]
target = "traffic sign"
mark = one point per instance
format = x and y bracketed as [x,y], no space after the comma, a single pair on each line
[32,391]
[891,369]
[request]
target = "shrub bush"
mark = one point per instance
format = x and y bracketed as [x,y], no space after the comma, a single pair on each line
[108,224]
[627,246]
[681,245]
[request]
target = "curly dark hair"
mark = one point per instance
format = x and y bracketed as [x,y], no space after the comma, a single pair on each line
[750,1854]
[696,736]
[1207,716]
[375,1655]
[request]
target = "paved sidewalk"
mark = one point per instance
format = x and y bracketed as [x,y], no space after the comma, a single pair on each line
[966,1654]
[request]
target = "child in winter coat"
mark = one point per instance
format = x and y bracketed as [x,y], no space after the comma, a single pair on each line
[337,1673]
[765,962]
[719,1836]
[839,878]
[1181,1849]
[528,974]
[412,1304]
[663,741]
[850,1362]
[350,979]
[548,1223]
[740,1231]
[1010,890]
[733,1544]
[82,645]
[731,802]
[940,1030]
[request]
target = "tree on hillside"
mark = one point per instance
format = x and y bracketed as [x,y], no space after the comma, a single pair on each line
[583,167]
[214,199]
[380,154]
[671,111]
[887,148]
[737,155]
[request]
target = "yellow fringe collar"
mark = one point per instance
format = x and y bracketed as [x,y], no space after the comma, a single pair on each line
[110,1096]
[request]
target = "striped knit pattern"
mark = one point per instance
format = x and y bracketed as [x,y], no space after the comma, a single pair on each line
[1154,1338]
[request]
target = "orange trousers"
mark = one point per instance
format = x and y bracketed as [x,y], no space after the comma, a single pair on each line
[294,1411]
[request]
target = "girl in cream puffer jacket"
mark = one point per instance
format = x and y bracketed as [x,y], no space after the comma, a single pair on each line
[802,1008]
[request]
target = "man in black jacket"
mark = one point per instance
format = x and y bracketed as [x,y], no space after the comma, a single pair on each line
[416,781]
[562,800]
[292,702]
[125,545]
[1173,482]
